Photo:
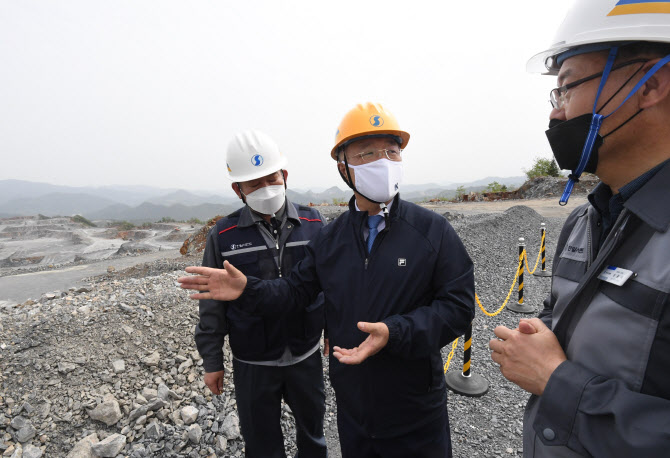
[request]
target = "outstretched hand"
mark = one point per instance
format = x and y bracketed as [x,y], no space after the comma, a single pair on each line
[378,338]
[225,284]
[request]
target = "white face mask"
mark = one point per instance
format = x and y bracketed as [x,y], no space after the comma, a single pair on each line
[267,200]
[379,180]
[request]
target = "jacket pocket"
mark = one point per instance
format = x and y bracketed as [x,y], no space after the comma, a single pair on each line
[247,337]
[315,317]
[436,372]
[246,262]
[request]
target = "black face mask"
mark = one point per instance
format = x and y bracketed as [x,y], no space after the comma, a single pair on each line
[567,139]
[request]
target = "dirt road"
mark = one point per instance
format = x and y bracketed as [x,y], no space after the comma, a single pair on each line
[547,207]
[19,288]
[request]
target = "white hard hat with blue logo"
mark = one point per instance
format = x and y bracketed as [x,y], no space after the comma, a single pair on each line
[252,154]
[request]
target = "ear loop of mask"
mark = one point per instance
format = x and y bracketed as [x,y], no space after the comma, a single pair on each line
[239,188]
[614,95]
[598,119]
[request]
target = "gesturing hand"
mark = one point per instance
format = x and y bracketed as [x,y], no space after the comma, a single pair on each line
[225,284]
[378,338]
[527,355]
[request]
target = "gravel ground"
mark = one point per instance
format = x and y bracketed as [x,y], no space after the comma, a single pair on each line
[111,369]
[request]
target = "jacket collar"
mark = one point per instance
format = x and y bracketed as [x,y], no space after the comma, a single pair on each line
[249,218]
[393,214]
[649,203]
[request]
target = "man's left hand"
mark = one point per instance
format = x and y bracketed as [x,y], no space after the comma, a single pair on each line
[527,355]
[378,338]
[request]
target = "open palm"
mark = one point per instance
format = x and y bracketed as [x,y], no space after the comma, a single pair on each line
[225,284]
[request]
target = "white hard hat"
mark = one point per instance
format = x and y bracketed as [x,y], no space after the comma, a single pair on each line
[251,154]
[597,23]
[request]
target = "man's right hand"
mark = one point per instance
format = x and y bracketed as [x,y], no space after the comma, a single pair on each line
[225,284]
[214,381]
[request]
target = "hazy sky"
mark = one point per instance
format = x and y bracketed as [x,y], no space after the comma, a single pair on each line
[137,92]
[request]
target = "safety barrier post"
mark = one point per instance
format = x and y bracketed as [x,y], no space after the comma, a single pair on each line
[465,382]
[520,307]
[543,245]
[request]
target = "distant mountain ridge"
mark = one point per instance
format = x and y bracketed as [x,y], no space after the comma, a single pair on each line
[145,203]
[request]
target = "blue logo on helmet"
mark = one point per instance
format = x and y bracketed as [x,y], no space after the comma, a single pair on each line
[257,160]
[376,121]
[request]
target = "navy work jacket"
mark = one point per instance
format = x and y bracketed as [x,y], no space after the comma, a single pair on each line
[418,279]
[238,240]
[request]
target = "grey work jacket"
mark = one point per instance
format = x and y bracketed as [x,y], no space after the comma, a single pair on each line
[611,398]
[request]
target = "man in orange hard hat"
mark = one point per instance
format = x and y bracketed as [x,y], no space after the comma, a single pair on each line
[398,286]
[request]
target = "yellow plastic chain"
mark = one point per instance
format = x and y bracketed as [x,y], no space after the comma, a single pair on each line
[451,355]
[516,277]
[537,261]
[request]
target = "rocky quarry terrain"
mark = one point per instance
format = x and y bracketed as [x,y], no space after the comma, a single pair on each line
[111,370]
[553,186]
[32,243]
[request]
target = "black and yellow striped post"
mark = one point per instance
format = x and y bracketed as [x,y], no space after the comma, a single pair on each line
[543,246]
[520,307]
[465,382]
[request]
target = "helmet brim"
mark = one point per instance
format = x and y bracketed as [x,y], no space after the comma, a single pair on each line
[281,165]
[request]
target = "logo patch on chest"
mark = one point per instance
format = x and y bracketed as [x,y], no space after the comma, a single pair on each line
[575,249]
[239,245]
[402,262]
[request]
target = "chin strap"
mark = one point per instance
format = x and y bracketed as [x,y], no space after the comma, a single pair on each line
[598,119]
[596,122]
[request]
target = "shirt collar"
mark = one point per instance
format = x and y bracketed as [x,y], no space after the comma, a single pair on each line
[389,206]
[248,217]
[649,203]
[600,197]
[640,196]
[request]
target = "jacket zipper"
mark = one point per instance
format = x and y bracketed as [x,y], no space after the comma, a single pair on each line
[281,252]
[589,259]
[367,255]
[607,248]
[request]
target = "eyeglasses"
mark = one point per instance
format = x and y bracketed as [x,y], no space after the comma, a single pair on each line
[557,95]
[371,156]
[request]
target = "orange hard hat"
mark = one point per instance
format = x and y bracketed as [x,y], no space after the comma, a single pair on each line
[365,120]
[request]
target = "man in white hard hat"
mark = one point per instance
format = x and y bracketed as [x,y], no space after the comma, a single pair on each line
[598,357]
[274,357]
[398,286]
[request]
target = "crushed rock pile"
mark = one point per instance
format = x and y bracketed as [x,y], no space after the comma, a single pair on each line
[491,426]
[540,187]
[196,242]
[112,370]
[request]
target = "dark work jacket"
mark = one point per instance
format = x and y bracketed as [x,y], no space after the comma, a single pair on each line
[238,240]
[418,279]
[611,398]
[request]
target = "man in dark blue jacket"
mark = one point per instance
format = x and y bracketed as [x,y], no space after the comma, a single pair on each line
[398,286]
[276,356]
